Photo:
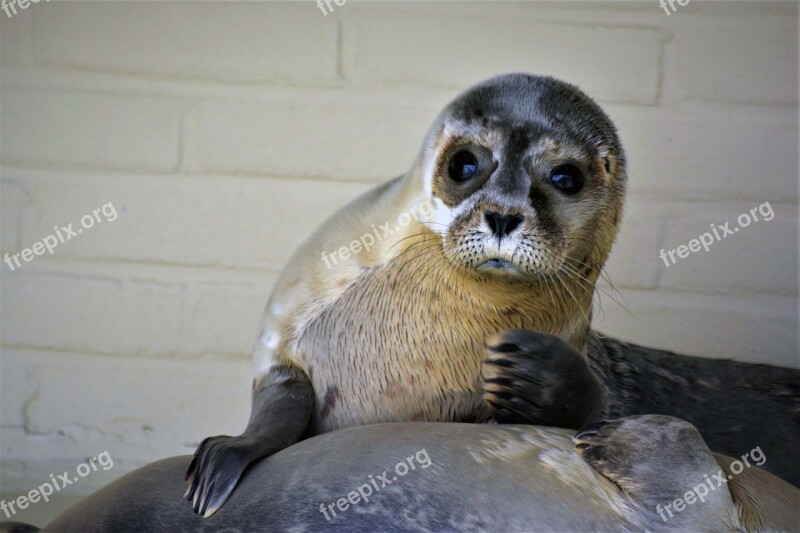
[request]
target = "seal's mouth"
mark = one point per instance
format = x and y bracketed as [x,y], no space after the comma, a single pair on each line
[498,265]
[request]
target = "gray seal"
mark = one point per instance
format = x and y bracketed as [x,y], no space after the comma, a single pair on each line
[615,476]
[471,301]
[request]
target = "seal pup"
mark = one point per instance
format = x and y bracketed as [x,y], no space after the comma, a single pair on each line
[525,176]
[479,308]
[621,476]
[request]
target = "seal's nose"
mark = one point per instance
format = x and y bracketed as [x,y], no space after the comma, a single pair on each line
[502,225]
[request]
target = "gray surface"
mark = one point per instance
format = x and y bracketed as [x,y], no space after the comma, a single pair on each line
[480,477]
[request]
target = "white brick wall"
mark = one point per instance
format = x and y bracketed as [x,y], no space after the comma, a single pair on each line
[62,129]
[209,124]
[284,43]
[446,51]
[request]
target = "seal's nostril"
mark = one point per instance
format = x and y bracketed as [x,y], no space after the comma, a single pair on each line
[491,219]
[512,223]
[502,225]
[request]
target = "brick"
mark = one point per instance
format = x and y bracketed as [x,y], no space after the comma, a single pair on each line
[143,311]
[200,221]
[710,152]
[212,397]
[16,388]
[746,9]
[759,329]
[135,419]
[455,50]
[762,258]
[238,41]
[638,237]
[759,258]
[92,313]
[749,59]
[14,201]
[226,316]
[110,132]
[345,139]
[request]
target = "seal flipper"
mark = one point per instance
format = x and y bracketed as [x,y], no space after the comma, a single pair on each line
[664,465]
[282,407]
[535,378]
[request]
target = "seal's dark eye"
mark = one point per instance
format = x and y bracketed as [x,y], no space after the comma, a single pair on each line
[567,178]
[463,165]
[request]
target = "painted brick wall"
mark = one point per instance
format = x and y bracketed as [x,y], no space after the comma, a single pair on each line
[224,133]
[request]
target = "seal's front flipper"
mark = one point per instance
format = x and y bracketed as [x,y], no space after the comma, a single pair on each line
[664,465]
[216,468]
[282,407]
[535,378]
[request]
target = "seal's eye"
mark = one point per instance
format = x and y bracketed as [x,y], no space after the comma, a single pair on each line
[567,178]
[463,165]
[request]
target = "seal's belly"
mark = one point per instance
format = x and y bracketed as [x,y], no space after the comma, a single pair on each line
[393,349]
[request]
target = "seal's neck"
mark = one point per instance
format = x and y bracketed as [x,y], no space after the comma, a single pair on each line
[559,304]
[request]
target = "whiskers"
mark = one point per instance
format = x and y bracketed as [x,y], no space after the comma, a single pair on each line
[419,260]
[430,258]
[578,304]
[572,268]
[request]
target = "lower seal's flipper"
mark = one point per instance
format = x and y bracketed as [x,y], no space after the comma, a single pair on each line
[663,464]
[282,407]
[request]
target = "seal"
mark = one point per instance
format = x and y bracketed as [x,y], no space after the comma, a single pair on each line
[624,475]
[471,300]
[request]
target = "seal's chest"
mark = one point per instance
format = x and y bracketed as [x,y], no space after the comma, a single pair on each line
[397,347]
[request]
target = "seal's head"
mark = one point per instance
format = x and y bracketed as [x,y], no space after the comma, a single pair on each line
[528,176]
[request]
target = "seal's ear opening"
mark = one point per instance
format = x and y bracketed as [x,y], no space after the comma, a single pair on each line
[605,154]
